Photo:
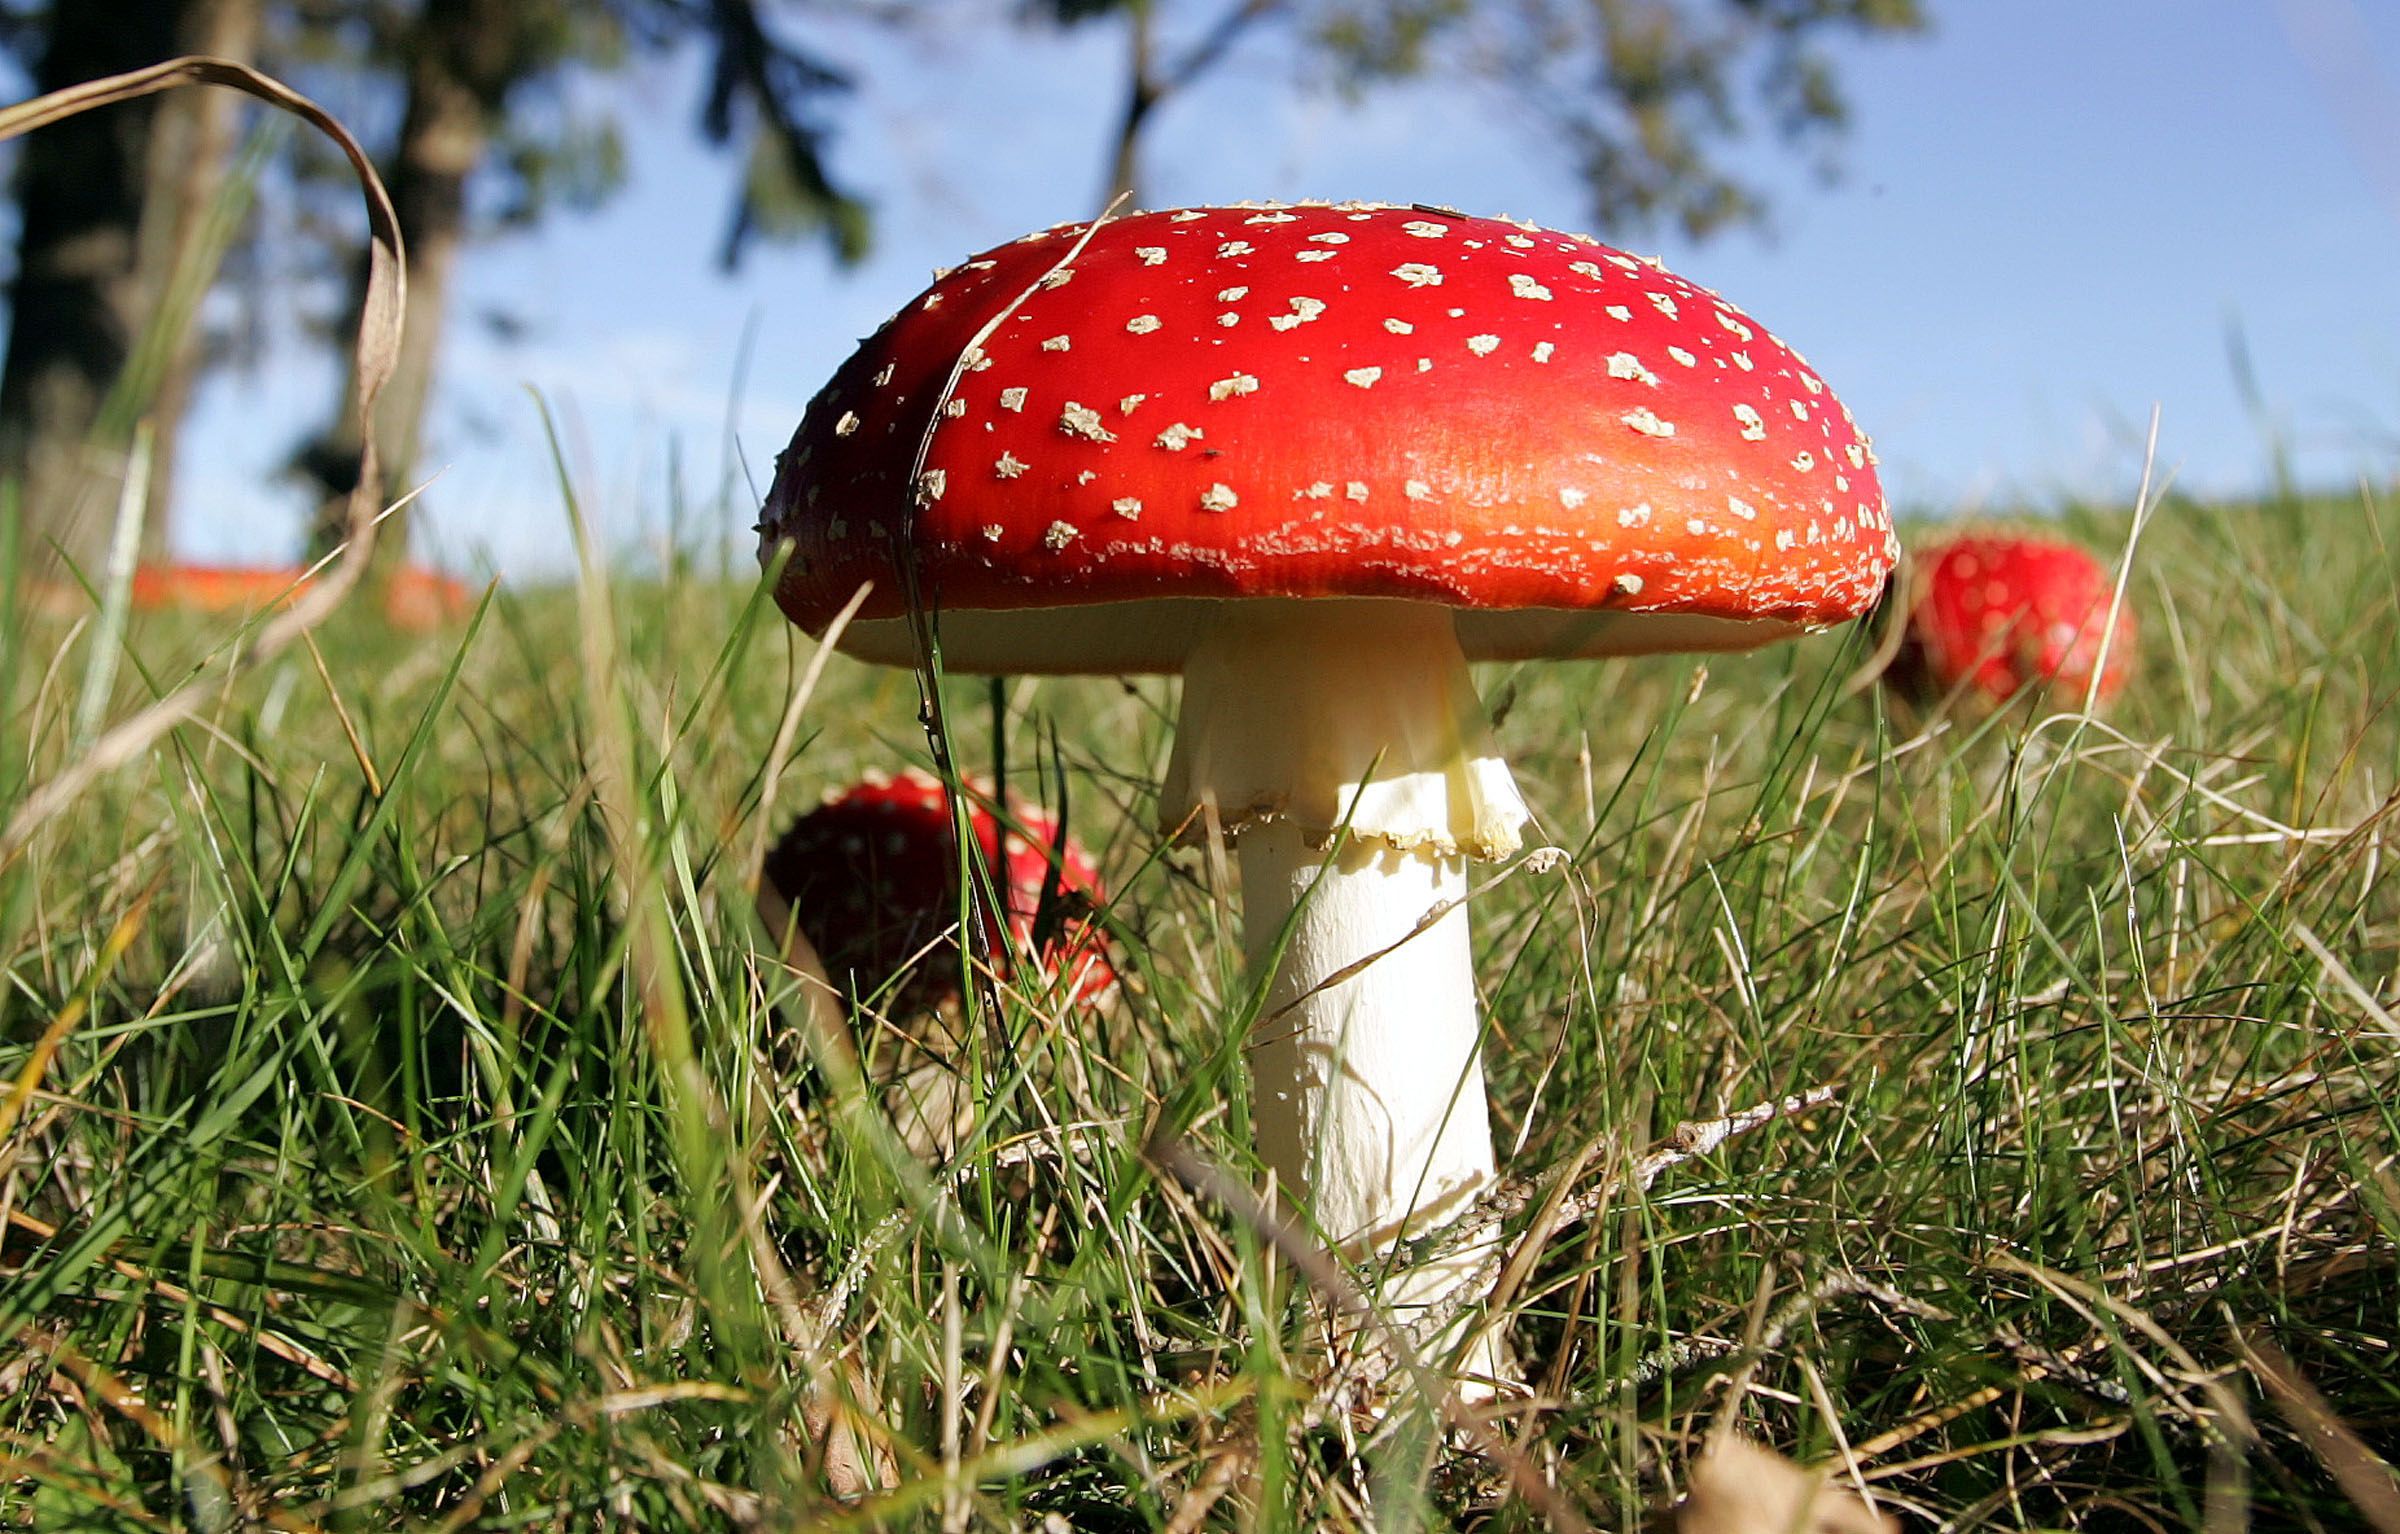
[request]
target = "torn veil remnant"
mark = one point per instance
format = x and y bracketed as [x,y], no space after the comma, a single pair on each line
[1361,447]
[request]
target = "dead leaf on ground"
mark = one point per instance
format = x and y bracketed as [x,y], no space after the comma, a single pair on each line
[1739,1487]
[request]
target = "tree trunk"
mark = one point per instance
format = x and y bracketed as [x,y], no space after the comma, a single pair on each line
[462,62]
[1142,95]
[76,303]
[191,151]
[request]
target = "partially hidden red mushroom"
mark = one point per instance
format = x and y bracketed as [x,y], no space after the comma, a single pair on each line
[863,894]
[1316,459]
[871,878]
[2001,614]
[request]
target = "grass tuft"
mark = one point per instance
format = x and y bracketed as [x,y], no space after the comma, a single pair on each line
[406,1120]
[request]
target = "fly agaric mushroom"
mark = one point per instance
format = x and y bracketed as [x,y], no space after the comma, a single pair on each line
[1316,459]
[2004,614]
[862,893]
[870,877]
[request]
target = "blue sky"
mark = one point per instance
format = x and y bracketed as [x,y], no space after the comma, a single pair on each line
[2053,215]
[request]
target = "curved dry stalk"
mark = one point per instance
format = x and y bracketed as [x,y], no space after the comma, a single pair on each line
[379,327]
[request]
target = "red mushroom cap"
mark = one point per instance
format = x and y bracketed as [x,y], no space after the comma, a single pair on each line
[1348,400]
[2004,614]
[870,877]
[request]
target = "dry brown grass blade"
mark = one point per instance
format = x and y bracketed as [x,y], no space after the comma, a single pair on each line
[378,347]
[175,1294]
[2365,1477]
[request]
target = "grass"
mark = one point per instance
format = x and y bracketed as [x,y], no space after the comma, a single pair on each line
[411,1127]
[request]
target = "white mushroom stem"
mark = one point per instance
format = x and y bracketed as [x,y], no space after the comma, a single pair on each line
[1300,721]
[1368,1091]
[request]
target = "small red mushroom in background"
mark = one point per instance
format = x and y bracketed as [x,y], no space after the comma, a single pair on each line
[420,599]
[871,877]
[2000,614]
[178,587]
[416,598]
[863,894]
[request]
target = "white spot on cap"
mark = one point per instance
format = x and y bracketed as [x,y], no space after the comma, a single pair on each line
[1736,326]
[1618,312]
[1799,410]
[1083,421]
[1277,216]
[1059,534]
[884,376]
[1804,461]
[1056,344]
[1571,497]
[1185,215]
[1634,516]
[1009,466]
[1315,255]
[1664,303]
[1127,506]
[1229,388]
[847,424]
[1130,402]
[1586,269]
[1012,399]
[1400,327]
[1811,382]
[1754,428]
[1741,508]
[1682,356]
[1086,477]
[1542,351]
[1355,490]
[1627,365]
[1151,255]
[1483,346]
[1425,228]
[955,409]
[1303,310]
[1417,490]
[1644,420]
[1142,324]
[1058,278]
[1219,497]
[1320,491]
[932,483]
[1232,295]
[1233,248]
[1628,583]
[1229,319]
[1331,237]
[932,301]
[1525,287]
[1857,456]
[1363,377]
[1418,274]
[1742,360]
[993,531]
[1176,436]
